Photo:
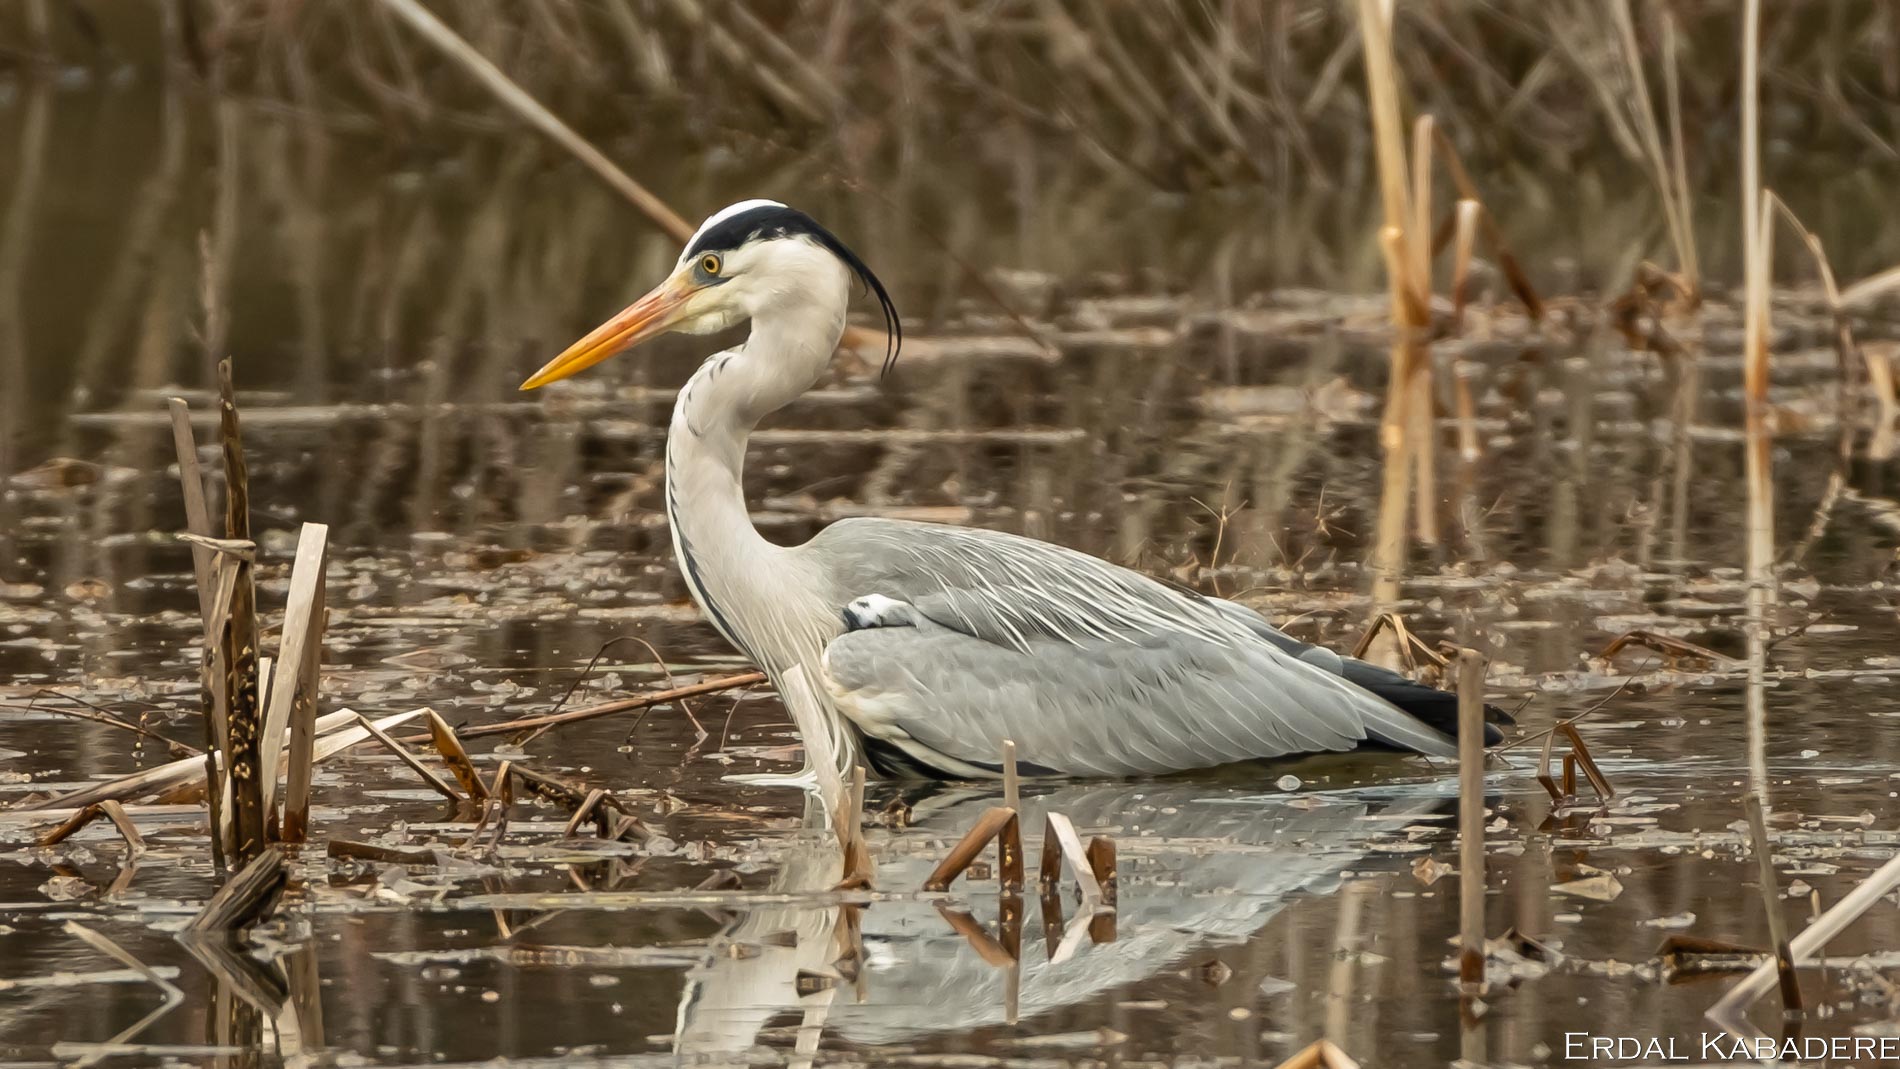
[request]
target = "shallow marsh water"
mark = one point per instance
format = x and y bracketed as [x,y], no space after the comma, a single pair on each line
[486,547]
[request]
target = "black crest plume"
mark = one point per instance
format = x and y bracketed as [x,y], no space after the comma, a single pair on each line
[772,220]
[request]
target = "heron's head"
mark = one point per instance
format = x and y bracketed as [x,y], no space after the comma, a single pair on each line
[744,260]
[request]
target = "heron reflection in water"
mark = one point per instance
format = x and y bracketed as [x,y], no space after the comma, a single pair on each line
[917,647]
[1202,867]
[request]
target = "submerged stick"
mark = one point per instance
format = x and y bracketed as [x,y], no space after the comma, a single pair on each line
[1471,880]
[693,690]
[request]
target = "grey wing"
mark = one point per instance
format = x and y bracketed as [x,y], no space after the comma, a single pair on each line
[1090,668]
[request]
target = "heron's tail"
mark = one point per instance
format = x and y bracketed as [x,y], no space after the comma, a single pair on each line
[1436,709]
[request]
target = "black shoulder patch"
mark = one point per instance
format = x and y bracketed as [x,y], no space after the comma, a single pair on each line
[769,221]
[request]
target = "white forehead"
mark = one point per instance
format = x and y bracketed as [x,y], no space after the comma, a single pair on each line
[722,215]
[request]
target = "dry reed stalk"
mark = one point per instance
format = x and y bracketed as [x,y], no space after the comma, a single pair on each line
[1848,356]
[1672,648]
[435,782]
[999,823]
[588,807]
[1580,753]
[1468,213]
[1871,287]
[1513,271]
[1676,209]
[1410,646]
[1678,164]
[290,707]
[1420,416]
[691,690]
[96,714]
[197,511]
[1471,878]
[517,100]
[1758,468]
[1758,433]
[111,810]
[213,595]
[1320,1054]
[1771,904]
[186,776]
[1404,429]
[1104,866]
[450,748]
[238,645]
[1728,1011]
[1012,782]
[1060,843]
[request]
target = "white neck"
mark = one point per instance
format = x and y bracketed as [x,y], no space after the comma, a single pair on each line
[751,590]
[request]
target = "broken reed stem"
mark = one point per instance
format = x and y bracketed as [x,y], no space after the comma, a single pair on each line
[111,810]
[1320,1054]
[238,644]
[1468,213]
[210,573]
[1771,904]
[292,700]
[999,823]
[435,782]
[303,717]
[450,747]
[1012,783]
[1060,843]
[1471,877]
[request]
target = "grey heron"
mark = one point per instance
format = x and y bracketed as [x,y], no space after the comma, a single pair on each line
[926,645]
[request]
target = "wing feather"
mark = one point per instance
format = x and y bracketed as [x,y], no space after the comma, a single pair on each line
[1089,667]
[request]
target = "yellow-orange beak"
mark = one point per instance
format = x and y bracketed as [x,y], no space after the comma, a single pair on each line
[652,314]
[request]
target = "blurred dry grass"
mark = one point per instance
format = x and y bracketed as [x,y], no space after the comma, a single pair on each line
[1175,96]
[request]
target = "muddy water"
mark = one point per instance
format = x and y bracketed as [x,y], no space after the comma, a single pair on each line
[486,547]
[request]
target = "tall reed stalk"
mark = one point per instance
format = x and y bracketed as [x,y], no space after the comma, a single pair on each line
[1758,255]
[1405,431]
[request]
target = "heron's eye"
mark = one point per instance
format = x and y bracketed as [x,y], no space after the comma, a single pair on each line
[709,263]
